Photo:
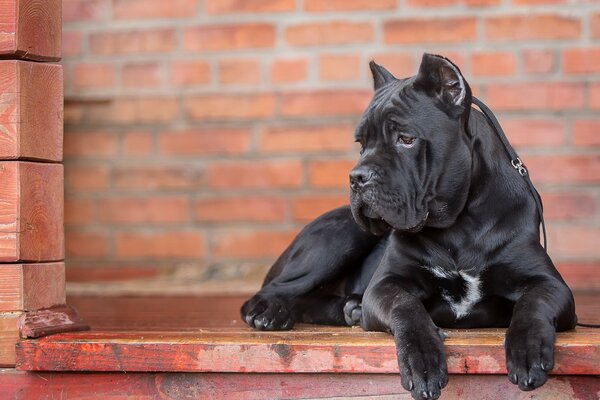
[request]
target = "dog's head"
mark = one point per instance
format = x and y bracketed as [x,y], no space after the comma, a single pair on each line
[415,161]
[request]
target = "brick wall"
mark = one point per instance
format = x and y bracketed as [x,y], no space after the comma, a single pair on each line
[201,135]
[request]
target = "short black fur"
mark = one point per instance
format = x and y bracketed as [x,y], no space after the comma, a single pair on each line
[441,232]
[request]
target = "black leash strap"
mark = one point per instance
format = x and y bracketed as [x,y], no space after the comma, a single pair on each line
[515,161]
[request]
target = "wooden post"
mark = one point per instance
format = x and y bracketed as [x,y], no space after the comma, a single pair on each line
[32,270]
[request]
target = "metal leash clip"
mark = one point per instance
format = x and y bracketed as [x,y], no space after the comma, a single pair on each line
[519,166]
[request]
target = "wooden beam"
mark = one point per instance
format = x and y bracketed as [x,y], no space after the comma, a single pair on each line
[42,385]
[31,110]
[9,336]
[26,287]
[31,29]
[306,349]
[31,213]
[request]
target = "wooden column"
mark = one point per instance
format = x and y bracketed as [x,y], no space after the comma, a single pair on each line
[32,270]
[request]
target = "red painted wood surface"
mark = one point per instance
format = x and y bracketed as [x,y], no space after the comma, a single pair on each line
[31,110]
[205,334]
[25,287]
[31,212]
[177,386]
[31,29]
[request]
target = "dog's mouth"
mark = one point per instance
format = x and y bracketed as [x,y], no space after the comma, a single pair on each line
[371,220]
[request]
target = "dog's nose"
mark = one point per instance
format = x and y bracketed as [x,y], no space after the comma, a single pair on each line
[360,176]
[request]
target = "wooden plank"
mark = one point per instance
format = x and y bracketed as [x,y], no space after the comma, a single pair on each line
[31,110]
[31,29]
[316,350]
[15,384]
[32,212]
[9,336]
[48,321]
[25,287]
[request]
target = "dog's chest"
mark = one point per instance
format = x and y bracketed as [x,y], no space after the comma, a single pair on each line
[459,289]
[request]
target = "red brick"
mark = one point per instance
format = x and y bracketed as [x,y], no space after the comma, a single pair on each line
[147,74]
[144,9]
[86,178]
[229,37]
[574,241]
[144,210]
[400,65]
[447,3]
[538,2]
[586,132]
[204,142]
[595,25]
[88,245]
[329,33]
[330,173]
[289,70]
[339,67]
[538,61]
[239,72]
[594,96]
[83,10]
[159,245]
[158,177]
[250,243]
[493,64]
[147,109]
[133,42]
[71,43]
[78,211]
[255,175]
[568,206]
[230,106]
[247,6]
[137,144]
[349,5]
[93,75]
[240,209]
[90,145]
[430,30]
[536,96]
[298,138]
[528,27]
[581,61]
[580,275]
[535,132]
[307,208]
[324,103]
[184,73]
[564,169]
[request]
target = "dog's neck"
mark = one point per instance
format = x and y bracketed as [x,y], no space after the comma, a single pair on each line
[495,184]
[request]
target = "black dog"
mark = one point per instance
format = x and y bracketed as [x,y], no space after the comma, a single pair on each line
[442,231]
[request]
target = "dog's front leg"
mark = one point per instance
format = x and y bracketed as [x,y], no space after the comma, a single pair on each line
[546,305]
[392,305]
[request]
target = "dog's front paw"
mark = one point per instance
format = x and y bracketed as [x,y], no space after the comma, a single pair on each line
[423,368]
[353,310]
[268,313]
[529,350]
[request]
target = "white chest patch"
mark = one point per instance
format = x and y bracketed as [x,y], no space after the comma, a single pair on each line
[472,293]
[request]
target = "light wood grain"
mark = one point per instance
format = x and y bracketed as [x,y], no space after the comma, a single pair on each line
[31,212]
[31,29]
[25,287]
[31,111]
[9,336]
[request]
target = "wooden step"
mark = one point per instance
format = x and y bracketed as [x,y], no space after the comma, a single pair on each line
[74,385]
[205,335]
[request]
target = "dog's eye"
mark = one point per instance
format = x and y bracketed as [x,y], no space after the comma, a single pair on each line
[406,141]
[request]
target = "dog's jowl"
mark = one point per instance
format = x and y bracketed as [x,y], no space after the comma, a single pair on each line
[441,232]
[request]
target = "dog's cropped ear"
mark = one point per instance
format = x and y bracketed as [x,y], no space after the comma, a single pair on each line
[440,78]
[381,76]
